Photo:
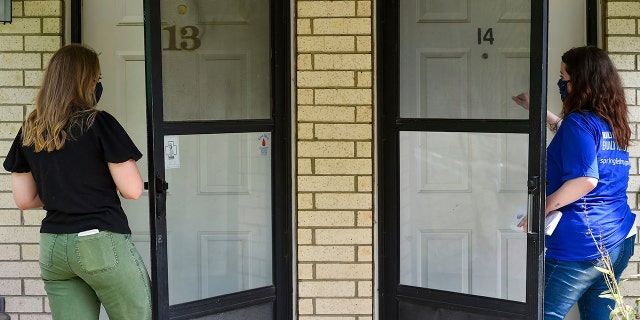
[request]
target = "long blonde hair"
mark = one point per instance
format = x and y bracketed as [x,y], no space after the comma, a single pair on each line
[66,98]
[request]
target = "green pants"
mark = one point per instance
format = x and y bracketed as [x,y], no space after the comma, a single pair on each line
[80,273]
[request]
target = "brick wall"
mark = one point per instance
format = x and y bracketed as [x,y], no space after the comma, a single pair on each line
[334,159]
[25,46]
[622,41]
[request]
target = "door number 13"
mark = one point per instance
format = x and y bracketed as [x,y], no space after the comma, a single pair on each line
[487,36]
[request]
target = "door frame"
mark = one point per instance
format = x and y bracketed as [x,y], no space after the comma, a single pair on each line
[391,292]
[280,293]
[389,126]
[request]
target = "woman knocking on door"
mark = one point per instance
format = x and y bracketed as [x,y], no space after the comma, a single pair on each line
[587,175]
[73,159]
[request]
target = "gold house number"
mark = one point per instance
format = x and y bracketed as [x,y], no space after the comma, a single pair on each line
[189,40]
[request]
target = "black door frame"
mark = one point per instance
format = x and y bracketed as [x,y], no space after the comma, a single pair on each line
[280,293]
[391,293]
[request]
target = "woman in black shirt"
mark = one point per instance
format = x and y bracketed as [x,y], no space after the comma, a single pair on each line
[73,160]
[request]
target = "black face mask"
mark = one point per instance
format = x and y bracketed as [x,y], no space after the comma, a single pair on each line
[98,92]
[562,86]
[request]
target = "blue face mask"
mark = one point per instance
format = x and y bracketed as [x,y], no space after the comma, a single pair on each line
[98,92]
[562,85]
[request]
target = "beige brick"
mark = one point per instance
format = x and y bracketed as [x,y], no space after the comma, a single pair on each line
[326,8]
[363,9]
[344,271]
[305,96]
[17,95]
[325,149]
[327,289]
[621,26]
[326,183]
[42,43]
[9,130]
[343,96]
[45,59]
[11,78]
[363,150]
[303,26]
[344,201]
[6,199]
[326,218]
[20,61]
[347,61]
[305,236]
[343,166]
[42,8]
[305,131]
[339,26]
[363,43]
[364,114]
[364,78]
[16,8]
[33,78]
[304,166]
[305,306]
[305,201]
[326,44]
[630,79]
[623,44]
[51,25]
[343,131]
[325,79]
[344,306]
[326,253]
[630,95]
[24,304]
[19,269]
[365,183]
[9,252]
[343,236]
[365,289]
[33,217]
[623,9]
[21,26]
[30,252]
[304,62]
[11,113]
[365,254]
[9,217]
[11,43]
[365,218]
[34,287]
[326,114]
[5,202]
[10,287]
[19,234]
[305,271]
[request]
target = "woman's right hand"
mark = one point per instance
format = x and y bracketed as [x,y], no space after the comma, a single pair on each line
[522,100]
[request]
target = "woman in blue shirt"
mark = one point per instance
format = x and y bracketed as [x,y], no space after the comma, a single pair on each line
[587,177]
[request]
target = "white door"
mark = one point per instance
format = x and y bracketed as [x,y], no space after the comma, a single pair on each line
[216,66]
[460,192]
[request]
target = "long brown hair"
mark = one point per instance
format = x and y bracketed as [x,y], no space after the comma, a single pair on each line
[596,87]
[66,98]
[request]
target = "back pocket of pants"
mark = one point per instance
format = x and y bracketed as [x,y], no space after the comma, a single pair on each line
[96,253]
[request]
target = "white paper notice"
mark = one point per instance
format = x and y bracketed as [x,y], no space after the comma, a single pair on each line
[171,152]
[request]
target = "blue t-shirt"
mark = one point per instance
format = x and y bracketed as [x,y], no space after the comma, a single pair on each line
[584,147]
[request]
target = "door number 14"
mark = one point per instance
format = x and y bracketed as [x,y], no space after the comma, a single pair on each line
[487,36]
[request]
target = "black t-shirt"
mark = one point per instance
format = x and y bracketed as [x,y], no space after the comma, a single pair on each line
[74,183]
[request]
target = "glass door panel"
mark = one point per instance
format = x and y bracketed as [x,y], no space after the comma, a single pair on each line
[219,214]
[216,59]
[459,194]
[463,59]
